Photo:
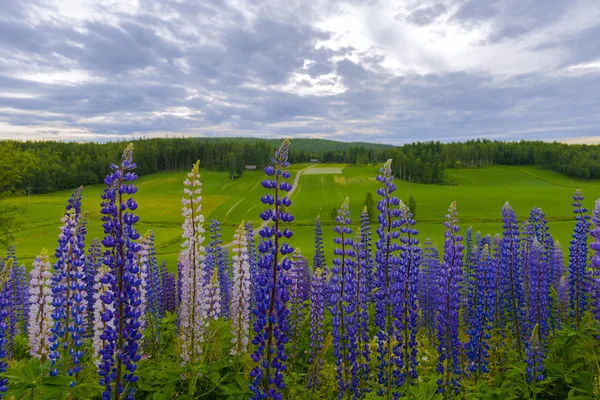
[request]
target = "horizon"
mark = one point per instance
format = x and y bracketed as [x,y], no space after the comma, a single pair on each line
[378,71]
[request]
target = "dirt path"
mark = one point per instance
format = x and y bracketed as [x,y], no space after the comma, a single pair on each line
[290,193]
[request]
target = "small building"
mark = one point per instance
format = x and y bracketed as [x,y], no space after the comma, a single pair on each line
[250,167]
[314,160]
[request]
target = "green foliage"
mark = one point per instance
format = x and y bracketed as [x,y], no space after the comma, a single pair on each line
[370,204]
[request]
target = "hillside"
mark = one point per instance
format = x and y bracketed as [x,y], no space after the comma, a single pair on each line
[479,193]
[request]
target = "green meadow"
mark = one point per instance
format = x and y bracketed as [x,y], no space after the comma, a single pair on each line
[479,193]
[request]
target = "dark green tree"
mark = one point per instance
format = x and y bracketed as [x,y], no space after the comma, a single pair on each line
[232,163]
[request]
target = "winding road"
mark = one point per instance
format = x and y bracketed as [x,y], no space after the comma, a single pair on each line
[290,193]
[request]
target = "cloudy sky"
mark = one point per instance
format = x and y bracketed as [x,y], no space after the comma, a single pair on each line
[387,71]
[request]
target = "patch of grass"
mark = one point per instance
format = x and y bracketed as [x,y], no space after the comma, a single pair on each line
[479,193]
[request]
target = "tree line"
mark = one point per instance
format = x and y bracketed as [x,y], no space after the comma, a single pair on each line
[47,166]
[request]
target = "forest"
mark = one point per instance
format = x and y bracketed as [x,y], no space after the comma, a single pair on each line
[50,166]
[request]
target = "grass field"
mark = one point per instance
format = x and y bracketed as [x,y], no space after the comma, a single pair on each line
[479,193]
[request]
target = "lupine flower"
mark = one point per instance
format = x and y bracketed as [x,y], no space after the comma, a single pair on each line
[387,269]
[193,307]
[405,313]
[499,294]
[428,288]
[179,281]
[155,294]
[216,258]
[92,264]
[512,281]
[316,357]
[319,259]
[563,299]
[169,288]
[343,309]
[40,307]
[270,312]
[361,243]
[595,267]
[297,294]
[539,228]
[6,299]
[213,296]
[101,290]
[69,297]
[557,265]
[578,260]
[19,305]
[367,244]
[142,261]
[253,261]
[466,286]
[121,348]
[539,313]
[240,293]
[449,281]
[527,236]
[22,294]
[483,318]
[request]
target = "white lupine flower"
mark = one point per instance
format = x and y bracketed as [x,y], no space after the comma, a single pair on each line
[240,292]
[194,302]
[100,307]
[40,307]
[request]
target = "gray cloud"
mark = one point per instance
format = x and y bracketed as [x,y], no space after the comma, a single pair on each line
[207,68]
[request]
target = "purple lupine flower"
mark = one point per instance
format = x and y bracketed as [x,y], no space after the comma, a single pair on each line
[482,321]
[405,313]
[217,258]
[343,309]
[12,311]
[499,295]
[297,295]
[69,297]
[367,244]
[316,357]
[540,231]
[22,294]
[193,307]
[6,299]
[595,265]
[387,270]
[578,286]
[92,264]
[428,288]
[319,259]
[179,282]
[557,267]
[527,236]
[100,290]
[253,261]
[466,286]
[40,307]
[155,295]
[213,296]
[449,281]
[539,313]
[240,293]
[270,312]
[121,337]
[512,281]
[361,245]
[169,288]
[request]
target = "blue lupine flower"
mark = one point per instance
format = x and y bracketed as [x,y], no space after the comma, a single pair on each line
[482,321]
[499,294]
[512,281]
[169,288]
[428,288]
[155,294]
[367,244]
[253,261]
[68,292]
[577,260]
[216,254]
[362,292]
[316,356]
[404,296]
[387,277]
[539,313]
[595,267]
[6,299]
[319,259]
[343,309]
[270,312]
[298,291]
[121,351]
[449,283]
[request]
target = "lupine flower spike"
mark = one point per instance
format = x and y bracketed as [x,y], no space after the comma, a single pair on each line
[270,312]
[316,357]
[194,304]
[595,267]
[40,307]
[578,260]
[120,353]
[240,292]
